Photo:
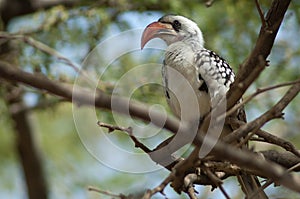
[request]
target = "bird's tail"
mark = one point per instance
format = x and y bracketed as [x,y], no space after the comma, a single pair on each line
[251,186]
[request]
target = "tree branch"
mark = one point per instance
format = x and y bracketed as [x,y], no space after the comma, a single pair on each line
[285,159]
[269,182]
[272,139]
[83,96]
[255,63]
[274,112]
[48,50]
[102,100]
[261,14]
[128,130]
[250,97]
[217,181]
[121,196]
[159,189]
[27,148]
[244,159]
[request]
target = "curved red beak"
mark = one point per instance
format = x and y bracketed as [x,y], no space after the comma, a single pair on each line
[155,30]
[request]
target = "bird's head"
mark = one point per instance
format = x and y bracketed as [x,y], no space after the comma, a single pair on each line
[171,29]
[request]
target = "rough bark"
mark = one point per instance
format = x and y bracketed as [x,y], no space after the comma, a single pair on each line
[29,156]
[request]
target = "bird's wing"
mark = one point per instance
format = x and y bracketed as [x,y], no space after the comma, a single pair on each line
[216,73]
[218,76]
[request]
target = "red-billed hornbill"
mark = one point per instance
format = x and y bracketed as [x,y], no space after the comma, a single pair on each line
[209,75]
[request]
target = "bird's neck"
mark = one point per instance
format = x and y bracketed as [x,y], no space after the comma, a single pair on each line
[195,43]
[179,55]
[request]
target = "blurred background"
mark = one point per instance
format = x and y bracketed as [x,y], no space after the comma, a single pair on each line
[39,141]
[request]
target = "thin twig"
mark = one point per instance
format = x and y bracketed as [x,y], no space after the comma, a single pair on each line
[247,138]
[261,14]
[224,191]
[128,130]
[293,167]
[267,137]
[250,97]
[112,128]
[189,184]
[191,192]
[160,188]
[274,112]
[140,145]
[217,181]
[121,196]
[270,181]
[223,167]
[273,139]
[48,50]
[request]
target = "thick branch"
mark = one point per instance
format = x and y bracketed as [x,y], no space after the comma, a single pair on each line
[272,139]
[30,157]
[268,138]
[244,159]
[26,147]
[285,159]
[274,112]
[255,63]
[83,96]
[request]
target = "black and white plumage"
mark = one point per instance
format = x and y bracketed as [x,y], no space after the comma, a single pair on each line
[208,74]
[195,78]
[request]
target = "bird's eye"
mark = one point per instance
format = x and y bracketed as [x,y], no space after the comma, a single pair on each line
[176,25]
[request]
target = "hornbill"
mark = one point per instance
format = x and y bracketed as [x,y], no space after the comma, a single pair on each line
[208,75]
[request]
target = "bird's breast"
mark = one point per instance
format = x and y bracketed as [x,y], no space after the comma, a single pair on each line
[182,85]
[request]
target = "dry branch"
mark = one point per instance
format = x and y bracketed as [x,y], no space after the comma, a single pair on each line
[255,63]
[268,138]
[274,112]
[128,130]
[286,159]
[83,96]
[101,100]
[250,97]
[48,50]
[244,159]
[272,139]
[159,189]
[120,196]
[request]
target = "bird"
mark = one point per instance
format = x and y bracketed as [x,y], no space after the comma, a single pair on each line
[195,79]
[206,72]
